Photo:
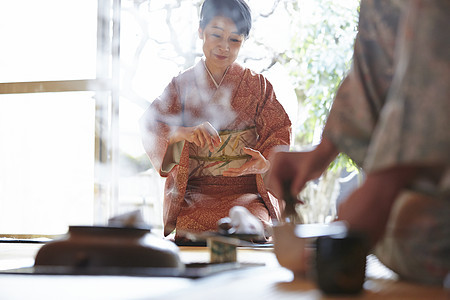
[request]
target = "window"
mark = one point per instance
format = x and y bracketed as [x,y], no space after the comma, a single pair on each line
[52,114]
[46,161]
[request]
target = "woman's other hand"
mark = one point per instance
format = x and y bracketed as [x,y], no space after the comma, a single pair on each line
[257,164]
[201,135]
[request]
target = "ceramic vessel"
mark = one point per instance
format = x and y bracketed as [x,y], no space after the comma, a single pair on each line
[101,247]
[341,263]
[295,246]
[290,250]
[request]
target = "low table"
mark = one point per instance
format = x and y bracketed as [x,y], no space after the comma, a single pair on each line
[270,281]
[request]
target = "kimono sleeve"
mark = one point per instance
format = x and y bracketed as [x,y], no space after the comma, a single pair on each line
[272,122]
[362,94]
[414,124]
[155,126]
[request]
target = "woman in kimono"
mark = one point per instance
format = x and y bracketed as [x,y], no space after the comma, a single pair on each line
[391,115]
[212,130]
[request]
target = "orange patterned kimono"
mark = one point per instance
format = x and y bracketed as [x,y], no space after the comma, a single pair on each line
[245,111]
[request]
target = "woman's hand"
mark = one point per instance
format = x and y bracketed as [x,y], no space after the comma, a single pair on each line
[201,135]
[258,164]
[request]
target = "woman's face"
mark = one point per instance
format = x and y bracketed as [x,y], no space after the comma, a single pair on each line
[221,43]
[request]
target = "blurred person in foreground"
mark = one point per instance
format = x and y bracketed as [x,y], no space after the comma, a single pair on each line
[391,115]
[211,131]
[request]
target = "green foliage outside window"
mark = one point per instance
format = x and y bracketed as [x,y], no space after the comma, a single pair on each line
[319,58]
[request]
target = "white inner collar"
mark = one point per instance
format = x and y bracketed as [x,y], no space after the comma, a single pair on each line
[210,75]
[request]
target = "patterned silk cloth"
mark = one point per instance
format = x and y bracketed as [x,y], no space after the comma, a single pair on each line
[228,155]
[246,113]
[393,109]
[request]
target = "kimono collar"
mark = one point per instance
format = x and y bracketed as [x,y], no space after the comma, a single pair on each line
[209,92]
[212,77]
[232,75]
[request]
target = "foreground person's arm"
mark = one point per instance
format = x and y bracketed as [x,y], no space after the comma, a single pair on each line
[367,209]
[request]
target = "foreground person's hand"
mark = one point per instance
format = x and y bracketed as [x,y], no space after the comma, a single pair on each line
[287,167]
[298,168]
